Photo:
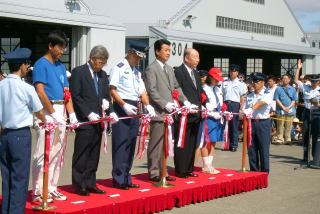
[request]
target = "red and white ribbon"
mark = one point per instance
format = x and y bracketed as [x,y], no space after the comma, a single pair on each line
[104,126]
[49,127]
[226,143]
[145,121]
[169,147]
[205,139]
[182,127]
[249,133]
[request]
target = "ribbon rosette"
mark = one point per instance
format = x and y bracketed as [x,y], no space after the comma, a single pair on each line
[67,95]
[50,127]
[224,107]
[168,129]
[145,121]
[203,97]
[175,97]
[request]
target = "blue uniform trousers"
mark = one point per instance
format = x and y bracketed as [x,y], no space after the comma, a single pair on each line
[315,126]
[260,145]
[124,137]
[15,153]
[234,124]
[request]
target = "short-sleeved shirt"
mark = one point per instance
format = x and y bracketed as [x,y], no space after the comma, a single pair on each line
[233,90]
[53,76]
[273,103]
[214,95]
[286,96]
[18,100]
[309,93]
[264,111]
[127,80]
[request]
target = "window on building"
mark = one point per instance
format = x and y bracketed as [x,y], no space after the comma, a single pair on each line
[313,44]
[288,66]
[222,64]
[254,65]
[6,46]
[253,27]
[256,1]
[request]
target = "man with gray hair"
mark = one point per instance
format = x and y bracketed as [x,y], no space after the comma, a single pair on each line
[90,94]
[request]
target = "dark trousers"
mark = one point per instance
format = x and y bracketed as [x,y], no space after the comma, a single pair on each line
[234,124]
[315,126]
[184,157]
[260,146]
[15,153]
[124,137]
[86,156]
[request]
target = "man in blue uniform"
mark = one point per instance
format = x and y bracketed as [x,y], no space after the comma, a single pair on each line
[233,95]
[257,105]
[126,88]
[311,94]
[17,102]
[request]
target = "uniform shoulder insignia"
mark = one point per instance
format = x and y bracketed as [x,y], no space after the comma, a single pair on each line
[266,91]
[120,64]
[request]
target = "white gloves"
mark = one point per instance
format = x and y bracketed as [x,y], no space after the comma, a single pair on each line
[215,115]
[187,104]
[114,118]
[248,111]
[151,111]
[170,107]
[57,118]
[105,104]
[192,107]
[73,118]
[129,109]
[49,119]
[93,116]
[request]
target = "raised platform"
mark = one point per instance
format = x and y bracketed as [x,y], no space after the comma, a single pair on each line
[152,199]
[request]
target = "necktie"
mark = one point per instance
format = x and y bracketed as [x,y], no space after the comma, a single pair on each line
[95,82]
[193,78]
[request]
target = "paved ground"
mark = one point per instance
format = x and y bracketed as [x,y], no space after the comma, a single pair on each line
[290,191]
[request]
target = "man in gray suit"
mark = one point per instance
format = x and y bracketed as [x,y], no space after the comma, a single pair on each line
[160,81]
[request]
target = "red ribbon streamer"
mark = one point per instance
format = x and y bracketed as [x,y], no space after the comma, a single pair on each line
[50,127]
[226,144]
[168,148]
[143,135]
[183,126]
[249,131]
[205,139]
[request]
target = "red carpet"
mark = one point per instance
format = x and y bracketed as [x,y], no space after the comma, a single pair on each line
[153,199]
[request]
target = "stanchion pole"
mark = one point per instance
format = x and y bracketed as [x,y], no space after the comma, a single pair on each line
[44,205]
[163,181]
[244,145]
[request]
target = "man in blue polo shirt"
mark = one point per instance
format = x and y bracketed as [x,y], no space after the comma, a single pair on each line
[50,81]
[286,98]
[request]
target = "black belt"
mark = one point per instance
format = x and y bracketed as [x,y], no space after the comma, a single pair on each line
[229,101]
[258,120]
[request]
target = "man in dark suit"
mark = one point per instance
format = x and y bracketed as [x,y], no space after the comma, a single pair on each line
[189,81]
[90,93]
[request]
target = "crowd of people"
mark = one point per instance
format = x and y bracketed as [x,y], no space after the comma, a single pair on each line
[215,107]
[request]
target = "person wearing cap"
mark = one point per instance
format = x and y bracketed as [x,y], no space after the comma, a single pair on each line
[286,98]
[50,81]
[311,97]
[18,100]
[90,93]
[160,82]
[189,81]
[127,88]
[233,94]
[257,105]
[241,77]
[215,124]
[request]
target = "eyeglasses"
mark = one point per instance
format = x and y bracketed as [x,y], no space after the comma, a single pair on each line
[100,62]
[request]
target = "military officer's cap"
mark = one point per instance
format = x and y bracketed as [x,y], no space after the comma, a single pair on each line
[234,67]
[314,77]
[256,77]
[203,73]
[139,48]
[18,56]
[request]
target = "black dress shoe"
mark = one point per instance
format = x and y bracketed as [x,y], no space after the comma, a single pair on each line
[121,186]
[155,179]
[233,149]
[182,176]
[82,192]
[96,190]
[133,185]
[168,178]
[192,175]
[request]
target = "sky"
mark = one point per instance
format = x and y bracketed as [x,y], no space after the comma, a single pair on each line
[307,12]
